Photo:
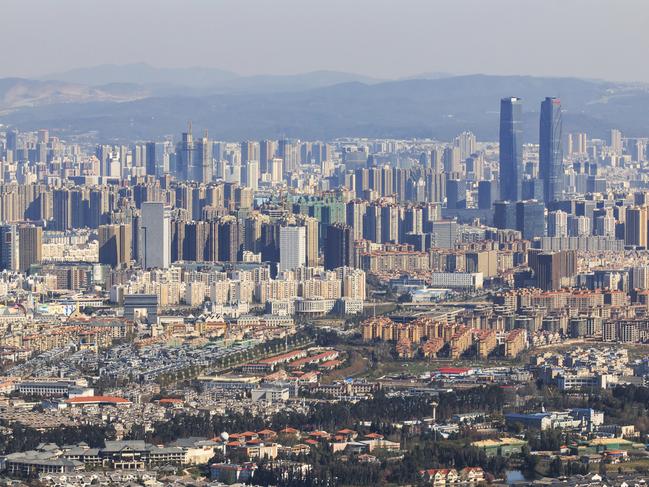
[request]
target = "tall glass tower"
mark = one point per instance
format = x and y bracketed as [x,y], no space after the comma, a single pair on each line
[551,150]
[511,149]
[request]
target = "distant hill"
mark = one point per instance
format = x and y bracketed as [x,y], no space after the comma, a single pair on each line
[201,81]
[17,93]
[281,107]
[142,74]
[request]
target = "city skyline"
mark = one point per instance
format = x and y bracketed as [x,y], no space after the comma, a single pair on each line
[372,273]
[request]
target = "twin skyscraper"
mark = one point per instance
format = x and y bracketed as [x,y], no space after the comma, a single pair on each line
[511,150]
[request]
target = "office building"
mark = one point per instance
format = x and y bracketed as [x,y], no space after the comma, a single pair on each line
[553,270]
[511,149]
[30,249]
[9,247]
[150,161]
[487,194]
[505,214]
[530,219]
[455,194]
[551,150]
[185,156]
[339,247]
[155,236]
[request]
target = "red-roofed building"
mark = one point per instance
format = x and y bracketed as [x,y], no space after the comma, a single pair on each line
[453,371]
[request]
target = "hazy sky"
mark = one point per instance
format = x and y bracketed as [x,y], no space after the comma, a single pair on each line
[383,38]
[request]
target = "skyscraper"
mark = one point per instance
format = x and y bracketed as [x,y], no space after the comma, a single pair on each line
[339,248]
[250,176]
[249,151]
[636,226]
[12,140]
[312,243]
[530,218]
[557,224]
[511,149]
[184,156]
[616,142]
[292,248]
[455,194]
[466,142]
[266,154]
[150,158]
[155,235]
[553,270]
[505,214]
[115,244]
[487,194]
[229,239]
[551,150]
[9,247]
[203,163]
[30,238]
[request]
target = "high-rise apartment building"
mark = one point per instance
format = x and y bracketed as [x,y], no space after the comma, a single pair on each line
[292,248]
[557,224]
[115,244]
[636,226]
[616,142]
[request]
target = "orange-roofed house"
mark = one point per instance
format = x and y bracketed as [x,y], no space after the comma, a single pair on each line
[374,436]
[348,434]
[290,432]
[319,435]
[267,434]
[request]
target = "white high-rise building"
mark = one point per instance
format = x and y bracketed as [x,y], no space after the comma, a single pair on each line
[276,170]
[579,226]
[155,236]
[251,175]
[557,224]
[616,142]
[466,142]
[292,248]
[640,277]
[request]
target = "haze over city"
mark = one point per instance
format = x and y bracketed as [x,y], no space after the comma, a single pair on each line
[379,38]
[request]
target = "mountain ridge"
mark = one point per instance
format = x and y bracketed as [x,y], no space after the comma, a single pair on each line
[436,108]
